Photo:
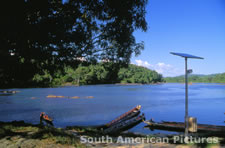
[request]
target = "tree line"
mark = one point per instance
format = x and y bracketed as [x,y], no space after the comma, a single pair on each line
[97,74]
[214,78]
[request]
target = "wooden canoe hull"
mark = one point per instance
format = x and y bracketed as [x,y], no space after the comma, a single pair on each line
[125,116]
[125,125]
[180,127]
[132,115]
[121,123]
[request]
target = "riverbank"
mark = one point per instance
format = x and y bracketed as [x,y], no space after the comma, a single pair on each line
[3,90]
[8,91]
[195,83]
[212,78]
[21,134]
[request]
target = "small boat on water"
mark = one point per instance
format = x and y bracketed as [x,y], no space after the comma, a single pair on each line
[46,119]
[8,92]
[180,127]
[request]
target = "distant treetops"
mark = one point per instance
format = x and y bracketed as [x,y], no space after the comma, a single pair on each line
[214,78]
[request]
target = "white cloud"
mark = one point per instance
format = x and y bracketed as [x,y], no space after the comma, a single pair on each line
[162,68]
[143,63]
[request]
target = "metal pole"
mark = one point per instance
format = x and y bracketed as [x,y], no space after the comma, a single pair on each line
[186,99]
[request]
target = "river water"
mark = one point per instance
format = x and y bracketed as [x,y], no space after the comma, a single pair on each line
[160,102]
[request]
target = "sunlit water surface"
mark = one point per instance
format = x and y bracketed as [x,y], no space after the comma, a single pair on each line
[160,102]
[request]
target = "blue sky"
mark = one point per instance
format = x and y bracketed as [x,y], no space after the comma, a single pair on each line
[189,26]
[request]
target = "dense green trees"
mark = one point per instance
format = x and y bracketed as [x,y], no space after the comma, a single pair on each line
[215,78]
[97,74]
[44,36]
[137,74]
[92,74]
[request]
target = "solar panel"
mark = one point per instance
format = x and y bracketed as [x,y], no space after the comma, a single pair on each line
[186,55]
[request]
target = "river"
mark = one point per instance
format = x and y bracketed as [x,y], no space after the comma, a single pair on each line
[160,102]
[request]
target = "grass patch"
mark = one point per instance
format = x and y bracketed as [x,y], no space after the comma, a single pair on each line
[40,133]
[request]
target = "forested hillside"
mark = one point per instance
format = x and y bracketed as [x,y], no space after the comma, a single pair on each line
[100,73]
[138,74]
[215,78]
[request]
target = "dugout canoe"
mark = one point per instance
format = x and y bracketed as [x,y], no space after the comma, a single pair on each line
[180,127]
[124,117]
[130,114]
[125,125]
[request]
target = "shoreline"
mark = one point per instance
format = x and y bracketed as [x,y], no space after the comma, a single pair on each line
[21,134]
[119,84]
[76,85]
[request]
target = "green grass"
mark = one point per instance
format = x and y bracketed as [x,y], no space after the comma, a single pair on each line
[45,134]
